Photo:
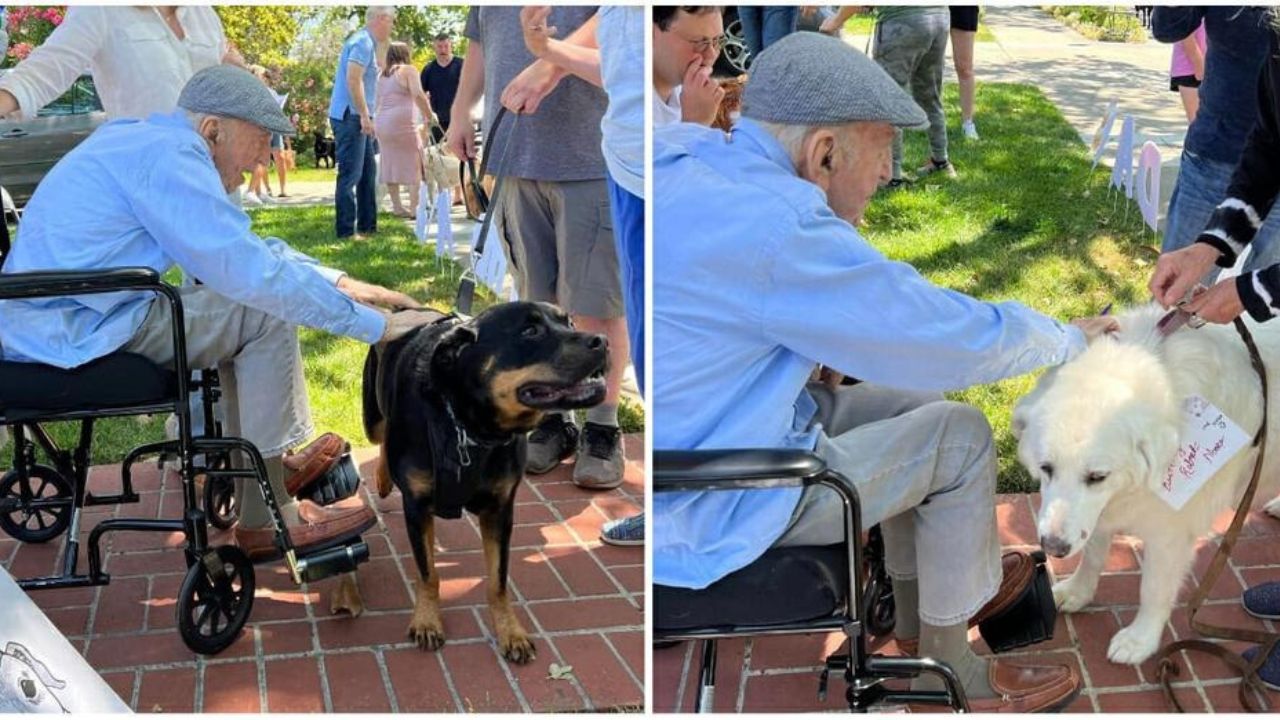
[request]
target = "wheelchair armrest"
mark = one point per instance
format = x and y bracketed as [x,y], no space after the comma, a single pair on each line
[61,283]
[755,468]
[52,283]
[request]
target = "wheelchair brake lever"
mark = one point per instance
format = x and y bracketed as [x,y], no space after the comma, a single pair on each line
[823,677]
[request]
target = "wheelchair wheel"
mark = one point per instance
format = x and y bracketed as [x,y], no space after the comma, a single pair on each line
[215,599]
[220,504]
[35,524]
[880,609]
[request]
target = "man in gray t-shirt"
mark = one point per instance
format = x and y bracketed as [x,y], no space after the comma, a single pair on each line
[554,216]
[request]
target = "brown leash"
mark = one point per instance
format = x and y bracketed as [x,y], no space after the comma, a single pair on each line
[1167,668]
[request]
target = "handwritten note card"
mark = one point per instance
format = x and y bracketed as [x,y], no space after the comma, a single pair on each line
[1209,440]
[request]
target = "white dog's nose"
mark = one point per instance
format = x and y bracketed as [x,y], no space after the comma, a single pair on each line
[1055,545]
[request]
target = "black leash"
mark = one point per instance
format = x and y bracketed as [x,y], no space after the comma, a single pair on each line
[1167,669]
[488,203]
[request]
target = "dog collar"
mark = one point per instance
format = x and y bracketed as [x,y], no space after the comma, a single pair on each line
[1176,318]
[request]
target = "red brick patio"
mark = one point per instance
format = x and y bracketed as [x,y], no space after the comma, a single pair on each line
[582,601]
[781,674]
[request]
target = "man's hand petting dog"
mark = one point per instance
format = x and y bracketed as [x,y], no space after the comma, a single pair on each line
[1095,327]
[1178,272]
[376,295]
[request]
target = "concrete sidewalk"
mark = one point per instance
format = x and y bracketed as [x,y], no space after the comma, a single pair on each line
[1081,76]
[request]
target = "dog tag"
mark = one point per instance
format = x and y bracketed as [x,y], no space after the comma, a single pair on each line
[1209,440]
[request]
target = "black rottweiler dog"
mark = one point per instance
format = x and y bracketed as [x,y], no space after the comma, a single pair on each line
[450,405]
[326,149]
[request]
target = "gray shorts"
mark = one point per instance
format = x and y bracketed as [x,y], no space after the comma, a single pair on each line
[558,237]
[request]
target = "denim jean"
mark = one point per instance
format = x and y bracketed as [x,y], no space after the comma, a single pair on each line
[764,25]
[628,230]
[1202,185]
[355,195]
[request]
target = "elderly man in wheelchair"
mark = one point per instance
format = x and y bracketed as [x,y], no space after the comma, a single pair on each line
[84,313]
[771,287]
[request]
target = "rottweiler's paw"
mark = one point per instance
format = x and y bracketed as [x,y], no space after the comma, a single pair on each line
[426,636]
[518,648]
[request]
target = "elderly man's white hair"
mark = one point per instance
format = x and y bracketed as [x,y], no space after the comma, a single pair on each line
[792,137]
[373,12]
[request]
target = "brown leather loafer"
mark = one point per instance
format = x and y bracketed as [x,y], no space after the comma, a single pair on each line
[305,466]
[319,528]
[1019,571]
[1021,689]
[1028,688]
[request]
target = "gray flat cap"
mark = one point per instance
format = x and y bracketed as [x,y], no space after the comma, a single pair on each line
[229,91]
[807,78]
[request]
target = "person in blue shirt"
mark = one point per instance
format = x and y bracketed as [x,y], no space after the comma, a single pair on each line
[153,193]
[351,116]
[757,290]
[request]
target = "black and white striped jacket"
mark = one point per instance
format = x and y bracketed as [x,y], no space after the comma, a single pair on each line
[1251,195]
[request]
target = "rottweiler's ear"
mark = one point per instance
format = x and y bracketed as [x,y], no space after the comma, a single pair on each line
[453,341]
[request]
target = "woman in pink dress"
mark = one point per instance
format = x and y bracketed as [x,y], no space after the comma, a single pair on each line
[398,91]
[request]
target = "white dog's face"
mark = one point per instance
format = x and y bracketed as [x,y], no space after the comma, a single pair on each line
[1092,431]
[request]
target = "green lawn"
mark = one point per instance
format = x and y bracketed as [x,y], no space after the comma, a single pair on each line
[307,173]
[332,364]
[1024,221]
[863,23]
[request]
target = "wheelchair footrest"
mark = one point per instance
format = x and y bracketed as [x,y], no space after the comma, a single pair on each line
[53,582]
[326,563]
[121,499]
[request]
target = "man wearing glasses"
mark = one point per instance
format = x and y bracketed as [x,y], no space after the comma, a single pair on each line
[686,43]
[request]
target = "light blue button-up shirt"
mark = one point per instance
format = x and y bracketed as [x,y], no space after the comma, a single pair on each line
[755,282]
[146,193]
[359,49]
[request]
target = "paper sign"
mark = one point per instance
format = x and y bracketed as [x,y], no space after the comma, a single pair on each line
[1102,136]
[1122,172]
[1149,184]
[422,216]
[1209,440]
[444,223]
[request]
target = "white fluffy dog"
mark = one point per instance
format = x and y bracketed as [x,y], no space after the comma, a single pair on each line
[1100,432]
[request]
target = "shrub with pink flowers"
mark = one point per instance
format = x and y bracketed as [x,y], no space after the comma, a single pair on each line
[28,26]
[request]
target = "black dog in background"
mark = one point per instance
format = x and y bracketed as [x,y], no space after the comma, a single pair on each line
[450,405]
[326,149]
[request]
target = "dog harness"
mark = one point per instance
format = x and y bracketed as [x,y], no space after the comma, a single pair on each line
[456,456]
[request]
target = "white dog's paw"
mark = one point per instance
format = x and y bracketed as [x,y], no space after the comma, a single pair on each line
[1272,508]
[1132,645]
[1070,595]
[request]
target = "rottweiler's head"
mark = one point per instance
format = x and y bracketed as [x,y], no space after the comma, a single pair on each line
[514,362]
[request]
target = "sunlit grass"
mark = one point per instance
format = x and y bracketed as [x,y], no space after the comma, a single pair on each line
[1025,220]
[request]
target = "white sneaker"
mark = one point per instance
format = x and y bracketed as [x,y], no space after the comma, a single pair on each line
[970,131]
[250,200]
[266,198]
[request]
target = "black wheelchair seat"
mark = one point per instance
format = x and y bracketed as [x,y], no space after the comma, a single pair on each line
[784,586]
[120,380]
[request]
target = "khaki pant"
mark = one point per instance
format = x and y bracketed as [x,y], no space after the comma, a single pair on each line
[925,471]
[264,396]
[558,237]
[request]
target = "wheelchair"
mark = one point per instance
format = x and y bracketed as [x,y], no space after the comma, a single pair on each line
[40,502]
[793,590]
